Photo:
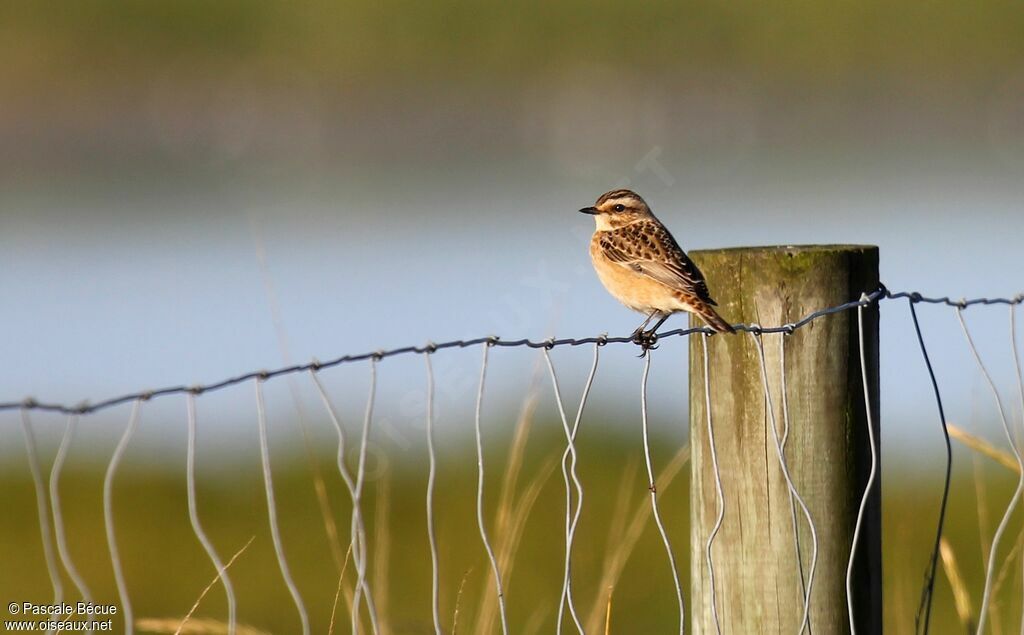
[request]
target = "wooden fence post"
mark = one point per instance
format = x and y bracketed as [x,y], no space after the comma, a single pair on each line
[757,580]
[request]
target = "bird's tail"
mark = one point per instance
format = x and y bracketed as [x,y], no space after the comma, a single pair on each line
[711,317]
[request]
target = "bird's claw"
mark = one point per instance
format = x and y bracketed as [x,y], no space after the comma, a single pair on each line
[646,340]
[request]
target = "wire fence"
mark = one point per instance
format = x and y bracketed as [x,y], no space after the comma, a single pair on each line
[364,615]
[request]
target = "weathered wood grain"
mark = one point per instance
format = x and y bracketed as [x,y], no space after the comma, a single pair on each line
[757,580]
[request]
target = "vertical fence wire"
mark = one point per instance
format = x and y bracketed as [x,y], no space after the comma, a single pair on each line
[1020,386]
[193,514]
[108,517]
[357,540]
[576,426]
[58,512]
[431,476]
[42,508]
[719,492]
[570,448]
[806,585]
[480,491]
[997,537]
[573,486]
[871,475]
[275,532]
[358,525]
[925,608]
[784,468]
[652,488]
[1016,358]
[571,515]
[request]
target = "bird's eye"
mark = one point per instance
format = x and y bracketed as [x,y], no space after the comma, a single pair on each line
[619,208]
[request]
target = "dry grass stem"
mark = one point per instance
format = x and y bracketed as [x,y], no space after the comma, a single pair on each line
[984,530]
[216,578]
[382,550]
[984,448]
[616,530]
[536,620]
[618,553]
[458,601]
[515,461]
[608,614]
[337,593]
[509,511]
[195,627]
[961,596]
[508,542]
[1004,568]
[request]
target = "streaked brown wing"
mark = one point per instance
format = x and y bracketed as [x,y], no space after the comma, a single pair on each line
[648,248]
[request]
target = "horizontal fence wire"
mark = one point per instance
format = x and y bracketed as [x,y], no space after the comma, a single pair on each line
[358,544]
[879,294]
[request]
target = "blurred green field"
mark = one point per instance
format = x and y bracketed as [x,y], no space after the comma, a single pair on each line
[166,568]
[187,93]
[803,41]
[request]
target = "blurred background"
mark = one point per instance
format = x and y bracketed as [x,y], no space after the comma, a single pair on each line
[189,191]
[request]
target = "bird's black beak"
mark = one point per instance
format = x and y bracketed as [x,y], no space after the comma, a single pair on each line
[590,210]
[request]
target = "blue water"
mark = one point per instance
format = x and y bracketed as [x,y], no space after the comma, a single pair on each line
[107,293]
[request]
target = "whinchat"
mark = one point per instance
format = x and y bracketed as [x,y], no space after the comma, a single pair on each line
[642,265]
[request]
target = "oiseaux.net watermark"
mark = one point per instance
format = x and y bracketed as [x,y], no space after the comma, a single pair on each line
[63,617]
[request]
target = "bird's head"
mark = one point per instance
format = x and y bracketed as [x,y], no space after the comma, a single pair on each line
[618,208]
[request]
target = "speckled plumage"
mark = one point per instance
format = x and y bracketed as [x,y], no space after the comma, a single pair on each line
[641,264]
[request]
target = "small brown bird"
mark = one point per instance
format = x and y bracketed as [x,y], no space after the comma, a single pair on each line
[642,265]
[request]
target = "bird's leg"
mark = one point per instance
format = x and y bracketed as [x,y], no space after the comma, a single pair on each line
[640,329]
[647,340]
[654,329]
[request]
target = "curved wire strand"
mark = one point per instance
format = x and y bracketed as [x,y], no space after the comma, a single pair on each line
[871,475]
[480,492]
[275,532]
[358,528]
[575,428]
[431,476]
[784,468]
[1020,383]
[570,448]
[792,501]
[571,515]
[925,608]
[719,492]
[108,517]
[193,515]
[998,536]
[42,508]
[654,495]
[58,514]
[358,535]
